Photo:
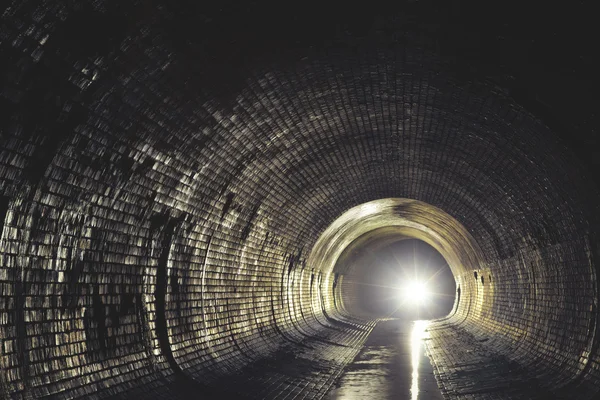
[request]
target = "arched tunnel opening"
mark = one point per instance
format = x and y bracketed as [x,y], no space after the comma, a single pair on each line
[202,200]
[403,277]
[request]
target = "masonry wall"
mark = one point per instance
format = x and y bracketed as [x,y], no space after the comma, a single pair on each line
[157,211]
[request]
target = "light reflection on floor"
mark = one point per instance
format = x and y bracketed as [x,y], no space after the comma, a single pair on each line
[416,342]
[391,365]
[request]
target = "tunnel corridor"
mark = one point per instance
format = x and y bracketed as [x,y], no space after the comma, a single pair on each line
[186,188]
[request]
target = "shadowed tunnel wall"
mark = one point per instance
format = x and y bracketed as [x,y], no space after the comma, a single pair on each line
[164,179]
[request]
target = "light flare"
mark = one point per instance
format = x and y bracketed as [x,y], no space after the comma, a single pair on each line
[415,292]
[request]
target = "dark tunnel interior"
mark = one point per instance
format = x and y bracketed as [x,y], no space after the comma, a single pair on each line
[220,199]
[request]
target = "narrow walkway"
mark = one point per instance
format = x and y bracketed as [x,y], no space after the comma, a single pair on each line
[391,365]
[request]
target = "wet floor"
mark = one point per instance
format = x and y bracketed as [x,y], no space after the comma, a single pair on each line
[391,365]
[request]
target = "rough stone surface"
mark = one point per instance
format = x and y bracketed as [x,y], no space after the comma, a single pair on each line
[471,366]
[166,168]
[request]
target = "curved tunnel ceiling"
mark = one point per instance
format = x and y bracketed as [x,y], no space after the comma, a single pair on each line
[376,221]
[160,193]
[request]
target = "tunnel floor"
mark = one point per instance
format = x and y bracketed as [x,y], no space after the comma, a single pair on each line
[391,358]
[391,365]
[472,366]
[305,367]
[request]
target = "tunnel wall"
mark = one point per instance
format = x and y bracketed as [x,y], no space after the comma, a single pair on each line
[127,260]
[157,217]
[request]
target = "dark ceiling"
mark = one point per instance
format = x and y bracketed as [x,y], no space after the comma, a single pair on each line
[541,53]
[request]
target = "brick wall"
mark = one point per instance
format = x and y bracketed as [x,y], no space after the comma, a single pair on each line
[158,205]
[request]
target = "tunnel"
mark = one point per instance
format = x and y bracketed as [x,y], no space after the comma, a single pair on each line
[185,188]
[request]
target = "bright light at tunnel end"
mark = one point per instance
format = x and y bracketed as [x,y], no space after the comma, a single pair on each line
[415,292]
